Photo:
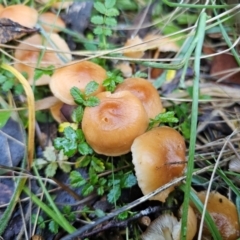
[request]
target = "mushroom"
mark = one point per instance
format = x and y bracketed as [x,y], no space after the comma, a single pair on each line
[51,22]
[224,214]
[21,14]
[159,157]
[76,75]
[161,43]
[146,93]
[28,54]
[111,127]
[167,227]
[134,51]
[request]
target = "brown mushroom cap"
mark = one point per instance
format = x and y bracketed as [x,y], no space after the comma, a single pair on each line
[134,51]
[111,127]
[224,214]
[76,75]
[21,14]
[159,157]
[146,92]
[29,53]
[51,22]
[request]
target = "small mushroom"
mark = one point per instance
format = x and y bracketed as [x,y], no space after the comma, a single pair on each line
[167,227]
[146,93]
[159,157]
[111,127]
[76,75]
[224,214]
[135,51]
[21,14]
[28,54]
[51,22]
[163,44]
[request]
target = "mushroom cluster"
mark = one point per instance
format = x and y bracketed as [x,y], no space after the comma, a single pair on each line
[37,51]
[111,127]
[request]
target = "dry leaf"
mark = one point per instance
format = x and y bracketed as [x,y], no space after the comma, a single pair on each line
[225,69]
[10,30]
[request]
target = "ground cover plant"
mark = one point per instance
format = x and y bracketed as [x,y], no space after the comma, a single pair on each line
[119,119]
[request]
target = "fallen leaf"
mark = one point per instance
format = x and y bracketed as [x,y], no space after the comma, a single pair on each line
[225,69]
[10,30]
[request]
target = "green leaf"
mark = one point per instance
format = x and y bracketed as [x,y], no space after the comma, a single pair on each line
[102,181]
[114,194]
[18,89]
[38,73]
[77,95]
[91,87]
[97,20]
[6,86]
[53,227]
[40,221]
[167,117]
[4,116]
[92,101]
[98,30]
[77,114]
[100,190]
[49,154]
[40,163]
[107,32]
[76,179]
[109,3]
[80,135]
[93,177]
[84,148]
[123,215]
[112,12]
[99,213]
[3,78]
[67,209]
[128,181]
[64,166]
[70,133]
[97,164]
[100,7]
[69,148]
[87,189]
[51,169]
[61,156]
[110,21]
[85,161]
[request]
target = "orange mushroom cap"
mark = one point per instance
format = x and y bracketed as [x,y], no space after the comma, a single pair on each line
[146,93]
[21,14]
[51,22]
[111,127]
[224,214]
[28,54]
[76,75]
[159,157]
